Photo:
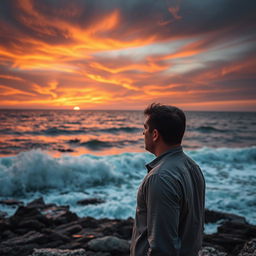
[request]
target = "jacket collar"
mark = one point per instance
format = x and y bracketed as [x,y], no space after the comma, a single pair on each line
[154,163]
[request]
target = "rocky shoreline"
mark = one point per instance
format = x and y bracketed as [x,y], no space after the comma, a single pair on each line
[38,226]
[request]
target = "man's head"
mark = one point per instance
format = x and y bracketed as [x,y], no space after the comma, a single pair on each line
[164,124]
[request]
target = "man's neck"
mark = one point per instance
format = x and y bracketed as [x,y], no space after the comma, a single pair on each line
[164,148]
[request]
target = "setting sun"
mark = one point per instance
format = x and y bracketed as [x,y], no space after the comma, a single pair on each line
[76,108]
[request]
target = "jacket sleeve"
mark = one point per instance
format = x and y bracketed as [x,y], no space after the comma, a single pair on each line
[163,211]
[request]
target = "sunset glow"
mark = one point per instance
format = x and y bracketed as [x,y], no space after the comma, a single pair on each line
[125,55]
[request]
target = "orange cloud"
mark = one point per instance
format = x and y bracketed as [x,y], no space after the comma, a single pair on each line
[242,105]
[124,82]
[70,54]
[6,91]
[144,67]
[11,77]
[48,89]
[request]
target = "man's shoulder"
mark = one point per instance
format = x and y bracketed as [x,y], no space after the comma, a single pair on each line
[174,165]
[180,159]
[164,168]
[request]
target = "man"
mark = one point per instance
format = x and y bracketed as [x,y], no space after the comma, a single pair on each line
[170,202]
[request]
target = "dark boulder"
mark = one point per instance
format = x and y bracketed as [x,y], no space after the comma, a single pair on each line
[59,214]
[109,244]
[88,222]
[37,203]
[90,201]
[214,216]
[31,224]
[28,238]
[69,229]
[11,202]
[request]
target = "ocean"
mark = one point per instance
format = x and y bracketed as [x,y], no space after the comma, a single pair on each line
[66,156]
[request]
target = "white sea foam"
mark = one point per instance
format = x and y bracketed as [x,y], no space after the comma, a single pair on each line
[229,173]
[37,171]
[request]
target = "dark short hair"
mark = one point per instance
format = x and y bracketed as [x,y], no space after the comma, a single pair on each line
[170,122]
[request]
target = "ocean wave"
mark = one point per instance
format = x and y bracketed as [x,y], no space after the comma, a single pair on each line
[208,129]
[95,144]
[9,131]
[54,131]
[65,130]
[120,129]
[58,131]
[35,170]
[229,174]
[225,155]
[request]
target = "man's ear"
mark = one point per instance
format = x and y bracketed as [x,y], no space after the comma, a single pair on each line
[155,135]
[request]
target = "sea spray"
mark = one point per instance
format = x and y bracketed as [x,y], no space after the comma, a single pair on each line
[229,173]
[36,170]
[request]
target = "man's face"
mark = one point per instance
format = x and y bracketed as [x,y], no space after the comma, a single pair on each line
[148,137]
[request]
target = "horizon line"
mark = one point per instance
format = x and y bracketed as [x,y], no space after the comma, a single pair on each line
[57,109]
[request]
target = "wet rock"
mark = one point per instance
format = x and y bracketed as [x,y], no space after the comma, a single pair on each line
[24,214]
[59,214]
[11,202]
[230,242]
[37,203]
[7,234]
[40,225]
[88,222]
[56,236]
[58,252]
[3,214]
[90,201]
[233,233]
[249,249]
[69,229]
[23,250]
[53,211]
[109,244]
[52,244]
[31,225]
[123,228]
[4,250]
[214,216]
[91,253]
[210,251]
[232,236]
[246,231]
[30,237]
[4,225]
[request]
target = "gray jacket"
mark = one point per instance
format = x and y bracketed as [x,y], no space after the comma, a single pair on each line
[170,207]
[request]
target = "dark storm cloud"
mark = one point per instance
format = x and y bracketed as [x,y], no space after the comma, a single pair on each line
[138,18]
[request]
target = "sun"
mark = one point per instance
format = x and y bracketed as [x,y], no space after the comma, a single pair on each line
[76,108]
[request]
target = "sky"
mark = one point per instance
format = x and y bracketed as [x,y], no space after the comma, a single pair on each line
[116,54]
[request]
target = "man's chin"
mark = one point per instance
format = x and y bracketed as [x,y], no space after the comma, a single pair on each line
[149,150]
